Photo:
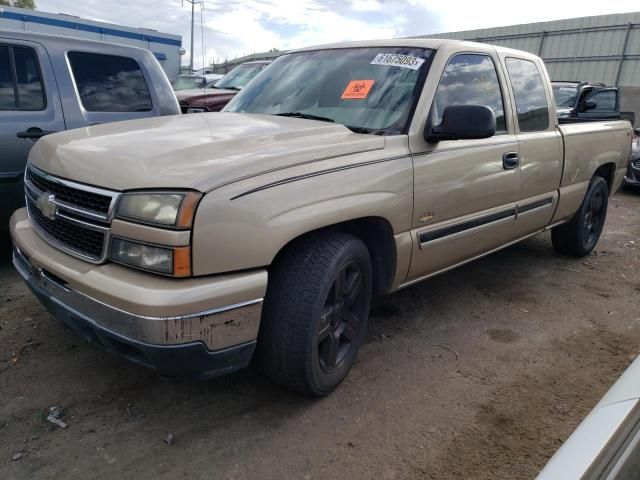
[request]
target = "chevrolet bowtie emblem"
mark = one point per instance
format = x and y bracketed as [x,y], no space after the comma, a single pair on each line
[47,206]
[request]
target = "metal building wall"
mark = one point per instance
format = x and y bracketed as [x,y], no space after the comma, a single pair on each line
[165,46]
[604,48]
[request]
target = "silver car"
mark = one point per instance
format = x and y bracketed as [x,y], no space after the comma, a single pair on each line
[50,83]
[606,445]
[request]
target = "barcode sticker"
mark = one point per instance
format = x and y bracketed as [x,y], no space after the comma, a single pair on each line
[395,60]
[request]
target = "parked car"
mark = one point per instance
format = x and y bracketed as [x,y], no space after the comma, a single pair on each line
[340,172]
[208,74]
[583,101]
[212,77]
[51,83]
[632,178]
[215,95]
[606,445]
[188,82]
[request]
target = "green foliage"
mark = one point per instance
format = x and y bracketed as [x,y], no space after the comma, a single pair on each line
[30,4]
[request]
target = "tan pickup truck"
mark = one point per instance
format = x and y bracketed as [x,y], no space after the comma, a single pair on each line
[193,244]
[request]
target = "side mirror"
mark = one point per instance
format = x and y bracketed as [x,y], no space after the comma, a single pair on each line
[463,122]
[590,105]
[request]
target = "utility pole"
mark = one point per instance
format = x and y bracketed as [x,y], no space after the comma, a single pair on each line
[193,8]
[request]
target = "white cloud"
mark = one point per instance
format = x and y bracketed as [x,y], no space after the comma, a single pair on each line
[237,27]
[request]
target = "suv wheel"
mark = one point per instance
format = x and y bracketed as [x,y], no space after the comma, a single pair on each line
[578,237]
[315,312]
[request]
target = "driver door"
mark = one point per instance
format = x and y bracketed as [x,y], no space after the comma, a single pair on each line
[465,191]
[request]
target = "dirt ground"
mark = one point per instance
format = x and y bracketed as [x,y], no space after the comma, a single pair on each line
[480,373]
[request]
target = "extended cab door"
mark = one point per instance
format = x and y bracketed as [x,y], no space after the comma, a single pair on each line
[539,143]
[465,191]
[29,108]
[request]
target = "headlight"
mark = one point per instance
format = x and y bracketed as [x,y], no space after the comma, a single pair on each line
[174,209]
[170,261]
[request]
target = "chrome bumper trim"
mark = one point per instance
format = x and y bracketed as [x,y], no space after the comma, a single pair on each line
[217,328]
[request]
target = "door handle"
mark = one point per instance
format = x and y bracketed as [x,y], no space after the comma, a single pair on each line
[33,133]
[510,160]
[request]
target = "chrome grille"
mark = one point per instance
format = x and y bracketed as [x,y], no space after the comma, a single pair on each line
[81,198]
[71,216]
[89,243]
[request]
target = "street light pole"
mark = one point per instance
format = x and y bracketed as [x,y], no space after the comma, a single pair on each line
[193,8]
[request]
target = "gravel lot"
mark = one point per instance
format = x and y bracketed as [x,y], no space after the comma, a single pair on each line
[479,373]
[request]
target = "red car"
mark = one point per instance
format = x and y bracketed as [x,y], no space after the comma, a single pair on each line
[215,95]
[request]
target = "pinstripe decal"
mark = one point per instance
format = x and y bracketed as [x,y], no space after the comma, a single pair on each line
[316,174]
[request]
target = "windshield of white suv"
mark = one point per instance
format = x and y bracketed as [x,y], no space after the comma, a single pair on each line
[239,76]
[369,90]
[564,94]
[188,82]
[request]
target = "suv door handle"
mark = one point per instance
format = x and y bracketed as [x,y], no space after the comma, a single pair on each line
[34,133]
[510,160]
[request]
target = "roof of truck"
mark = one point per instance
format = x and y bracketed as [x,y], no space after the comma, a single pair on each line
[47,38]
[432,43]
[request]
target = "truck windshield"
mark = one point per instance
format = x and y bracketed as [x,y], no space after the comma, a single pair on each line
[239,76]
[369,90]
[564,94]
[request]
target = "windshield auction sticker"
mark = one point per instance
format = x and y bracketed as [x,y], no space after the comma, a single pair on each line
[357,89]
[395,60]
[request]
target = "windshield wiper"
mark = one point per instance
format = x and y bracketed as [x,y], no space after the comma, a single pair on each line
[306,116]
[369,131]
[232,88]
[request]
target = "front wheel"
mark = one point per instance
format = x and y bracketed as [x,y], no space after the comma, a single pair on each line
[315,312]
[578,237]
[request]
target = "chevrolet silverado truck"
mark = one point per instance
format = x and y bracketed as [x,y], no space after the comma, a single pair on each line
[195,244]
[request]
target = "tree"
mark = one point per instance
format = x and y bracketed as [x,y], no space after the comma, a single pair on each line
[30,4]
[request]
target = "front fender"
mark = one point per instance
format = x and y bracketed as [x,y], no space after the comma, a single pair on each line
[244,225]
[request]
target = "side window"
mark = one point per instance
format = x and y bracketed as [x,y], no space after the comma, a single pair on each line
[528,90]
[20,88]
[605,101]
[469,79]
[108,83]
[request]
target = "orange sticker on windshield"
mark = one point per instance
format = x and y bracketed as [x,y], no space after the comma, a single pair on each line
[357,89]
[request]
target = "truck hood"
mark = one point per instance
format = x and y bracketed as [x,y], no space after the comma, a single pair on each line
[199,151]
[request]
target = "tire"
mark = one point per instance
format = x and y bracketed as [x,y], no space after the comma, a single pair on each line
[315,312]
[578,237]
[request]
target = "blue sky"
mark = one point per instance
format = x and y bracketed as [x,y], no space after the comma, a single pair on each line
[237,27]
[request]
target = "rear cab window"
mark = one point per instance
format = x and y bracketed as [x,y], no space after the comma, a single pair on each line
[529,93]
[109,83]
[21,87]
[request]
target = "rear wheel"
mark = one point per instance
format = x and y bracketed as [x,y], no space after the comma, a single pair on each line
[315,312]
[578,237]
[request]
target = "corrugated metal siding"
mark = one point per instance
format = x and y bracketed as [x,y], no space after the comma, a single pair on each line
[586,48]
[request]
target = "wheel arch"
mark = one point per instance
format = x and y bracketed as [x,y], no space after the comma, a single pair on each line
[377,234]
[607,172]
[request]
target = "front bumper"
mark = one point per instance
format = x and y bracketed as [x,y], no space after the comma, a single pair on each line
[189,359]
[202,344]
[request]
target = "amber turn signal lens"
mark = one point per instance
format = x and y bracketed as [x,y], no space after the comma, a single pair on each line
[182,262]
[188,209]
